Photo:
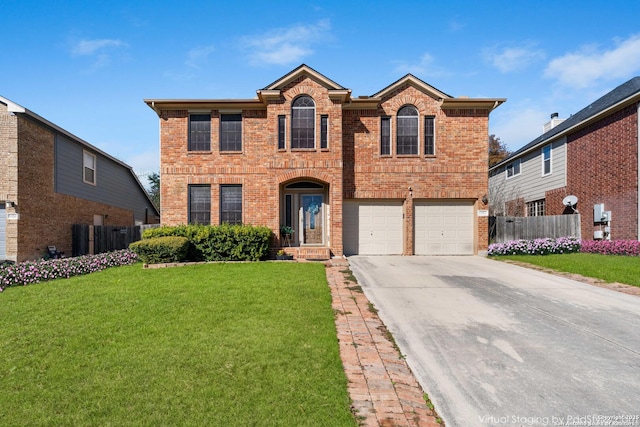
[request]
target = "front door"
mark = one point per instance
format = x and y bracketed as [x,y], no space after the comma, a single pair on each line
[311,217]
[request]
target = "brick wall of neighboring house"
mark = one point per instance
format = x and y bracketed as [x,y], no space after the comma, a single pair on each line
[553,202]
[9,173]
[46,217]
[603,168]
[515,207]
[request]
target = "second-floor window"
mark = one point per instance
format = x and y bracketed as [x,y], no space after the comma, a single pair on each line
[231,132]
[546,159]
[407,128]
[385,136]
[199,132]
[513,168]
[281,133]
[89,167]
[429,136]
[324,131]
[303,114]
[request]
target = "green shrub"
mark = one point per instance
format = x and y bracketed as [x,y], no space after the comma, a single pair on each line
[159,250]
[219,243]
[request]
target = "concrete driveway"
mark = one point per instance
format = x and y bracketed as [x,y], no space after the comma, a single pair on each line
[499,345]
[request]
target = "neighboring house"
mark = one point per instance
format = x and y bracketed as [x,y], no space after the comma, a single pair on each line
[51,179]
[592,155]
[403,171]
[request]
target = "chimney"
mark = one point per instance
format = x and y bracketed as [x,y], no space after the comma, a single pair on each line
[555,121]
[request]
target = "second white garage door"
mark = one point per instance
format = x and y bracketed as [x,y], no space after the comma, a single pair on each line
[372,228]
[444,228]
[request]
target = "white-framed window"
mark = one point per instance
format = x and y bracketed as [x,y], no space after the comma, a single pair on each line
[88,168]
[536,208]
[546,159]
[513,168]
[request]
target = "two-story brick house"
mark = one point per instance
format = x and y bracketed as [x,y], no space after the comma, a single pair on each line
[403,171]
[50,179]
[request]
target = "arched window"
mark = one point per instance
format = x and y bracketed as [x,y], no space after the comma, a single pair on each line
[407,130]
[303,113]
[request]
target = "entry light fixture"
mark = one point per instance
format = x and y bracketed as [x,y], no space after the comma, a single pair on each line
[10,204]
[485,200]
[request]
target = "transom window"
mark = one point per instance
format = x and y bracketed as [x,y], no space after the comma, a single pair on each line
[231,132]
[303,112]
[407,128]
[200,132]
[89,167]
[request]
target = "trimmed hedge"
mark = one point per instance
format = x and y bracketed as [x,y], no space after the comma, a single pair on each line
[221,242]
[161,249]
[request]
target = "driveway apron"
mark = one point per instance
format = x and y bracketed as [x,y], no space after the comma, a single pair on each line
[495,344]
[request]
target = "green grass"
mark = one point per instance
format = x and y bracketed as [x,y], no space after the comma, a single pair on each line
[216,344]
[610,268]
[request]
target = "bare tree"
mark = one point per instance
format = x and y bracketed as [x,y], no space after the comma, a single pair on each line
[497,150]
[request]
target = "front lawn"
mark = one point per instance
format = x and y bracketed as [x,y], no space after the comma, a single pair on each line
[215,344]
[610,268]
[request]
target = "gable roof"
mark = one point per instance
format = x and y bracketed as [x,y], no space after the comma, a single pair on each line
[304,70]
[619,97]
[12,107]
[412,80]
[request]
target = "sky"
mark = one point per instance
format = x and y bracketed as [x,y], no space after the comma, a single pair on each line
[87,65]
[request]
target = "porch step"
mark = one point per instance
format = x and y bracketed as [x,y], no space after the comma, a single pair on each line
[308,252]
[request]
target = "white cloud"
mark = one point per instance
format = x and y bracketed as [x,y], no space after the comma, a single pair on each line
[91,47]
[425,66]
[284,46]
[145,162]
[507,59]
[590,65]
[198,55]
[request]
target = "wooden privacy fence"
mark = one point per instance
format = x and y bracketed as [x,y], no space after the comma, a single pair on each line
[95,239]
[506,228]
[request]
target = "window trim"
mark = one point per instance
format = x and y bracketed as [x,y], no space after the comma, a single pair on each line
[417,136]
[189,210]
[222,186]
[537,206]
[431,119]
[512,165]
[547,149]
[313,130]
[241,132]
[85,167]
[190,143]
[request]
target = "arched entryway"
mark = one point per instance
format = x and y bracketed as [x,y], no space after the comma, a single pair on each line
[304,208]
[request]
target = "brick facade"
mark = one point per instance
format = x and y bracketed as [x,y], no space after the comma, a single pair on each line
[351,167]
[27,178]
[603,168]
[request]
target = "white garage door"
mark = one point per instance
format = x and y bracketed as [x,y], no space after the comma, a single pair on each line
[444,228]
[372,228]
[3,232]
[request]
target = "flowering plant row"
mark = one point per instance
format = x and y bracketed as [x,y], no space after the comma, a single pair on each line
[563,245]
[39,271]
[612,247]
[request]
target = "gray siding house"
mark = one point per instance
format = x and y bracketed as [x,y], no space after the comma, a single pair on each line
[50,179]
[592,155]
